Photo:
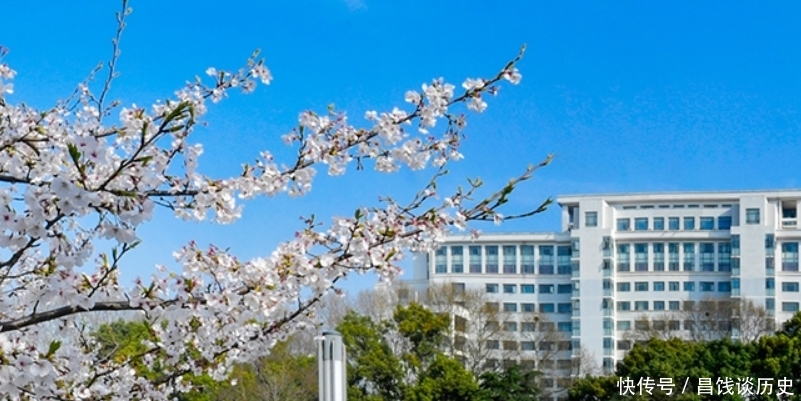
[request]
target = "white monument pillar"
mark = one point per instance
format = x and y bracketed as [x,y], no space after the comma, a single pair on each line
[331,360]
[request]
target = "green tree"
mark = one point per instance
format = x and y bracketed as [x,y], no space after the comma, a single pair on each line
[280,376]
[678,360]
[778,357]
[512,384]
[402,359]
[123,340]
[594,388]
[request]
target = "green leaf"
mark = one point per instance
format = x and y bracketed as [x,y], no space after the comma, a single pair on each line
[54,346]
[75,154]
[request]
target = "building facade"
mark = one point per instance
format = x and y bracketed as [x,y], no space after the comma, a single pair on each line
[620,261]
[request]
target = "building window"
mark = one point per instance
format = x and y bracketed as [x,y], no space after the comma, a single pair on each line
[547,308]
[641,305]
[706,286]
[641,257]
[624,325]
[492,259]
[546,288]
[510,326]
[751,216]
[659,223]
[546,259]
[527,346]
[624,305]
[564,308]
[509,288]
[591,219]
[659,286]
[564,327]
[475,259]
[509,307]
[689,257]
[659,305]
[527,259]
[724,286]
[789,306]
[689,223]
[770,242]
[623,287]
[659,257]
[440,260]
[607,287]
[790,286]
[492,288]
[457,259]
[527,288]
[707,255]
[623,224]
[458,288]
[564,288]
[707,223]
[641,286]
[790,256]
[623,258]
[724,222]
[563,259]
[673,223]
[509,259]
[689,286]
[527,308]
[493,344]
[673,255]
[641,224]
[673,286]
[724,257]
[673,305]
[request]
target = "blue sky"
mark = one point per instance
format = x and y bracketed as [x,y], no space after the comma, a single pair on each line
[630,96]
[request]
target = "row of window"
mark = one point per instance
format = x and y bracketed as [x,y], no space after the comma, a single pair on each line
[529,288]
[529,307]
[680,256]
[674,256]
[534,346]
[703,286]
[787,286]
[674,223]
[679,206]
[527,327]
[487,259]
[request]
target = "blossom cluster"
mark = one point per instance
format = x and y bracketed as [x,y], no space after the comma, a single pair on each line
[72,182]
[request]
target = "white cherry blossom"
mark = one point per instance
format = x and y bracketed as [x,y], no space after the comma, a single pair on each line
[79,179]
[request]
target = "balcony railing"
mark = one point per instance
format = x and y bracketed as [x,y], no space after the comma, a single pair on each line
[789,223]
[735,292]
[770,292]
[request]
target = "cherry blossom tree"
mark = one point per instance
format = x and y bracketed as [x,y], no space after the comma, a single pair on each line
[89,171]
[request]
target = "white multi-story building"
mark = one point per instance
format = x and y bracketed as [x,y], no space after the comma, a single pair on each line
[619,258]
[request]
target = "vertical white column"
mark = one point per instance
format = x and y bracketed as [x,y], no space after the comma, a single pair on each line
[331,359]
